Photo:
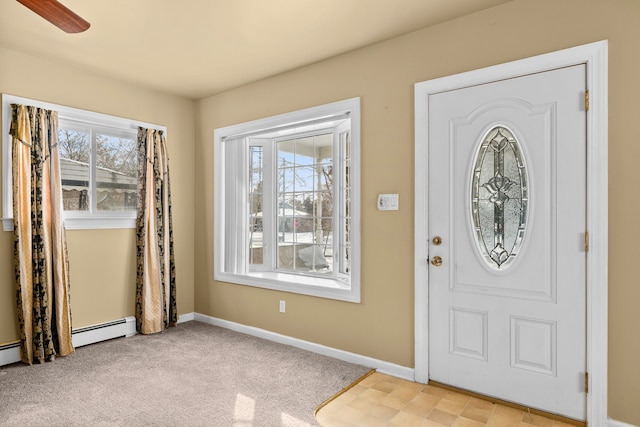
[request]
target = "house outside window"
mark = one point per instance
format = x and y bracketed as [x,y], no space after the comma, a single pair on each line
[287,202]
[107,157]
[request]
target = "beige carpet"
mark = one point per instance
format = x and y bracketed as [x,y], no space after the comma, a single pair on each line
[192,375]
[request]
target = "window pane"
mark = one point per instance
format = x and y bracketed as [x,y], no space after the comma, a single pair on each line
[286,179]
[75,156]
[256,210]
[326,237]
[305,203]
[345,204]
[305,151]
[303,257]
[286,153]
[304,178]
[116,173]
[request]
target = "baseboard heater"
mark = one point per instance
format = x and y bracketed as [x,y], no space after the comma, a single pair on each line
[125,327]
[9,353]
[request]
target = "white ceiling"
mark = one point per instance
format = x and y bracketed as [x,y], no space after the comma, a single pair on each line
[196,48]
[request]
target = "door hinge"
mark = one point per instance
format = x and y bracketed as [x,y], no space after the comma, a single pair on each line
[586,241]
[586,382]
[586,100]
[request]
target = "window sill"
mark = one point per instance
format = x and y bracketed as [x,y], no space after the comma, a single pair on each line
[297,284]
[95,223]
[98,223]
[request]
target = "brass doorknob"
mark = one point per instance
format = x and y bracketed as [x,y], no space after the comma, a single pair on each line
[436,261]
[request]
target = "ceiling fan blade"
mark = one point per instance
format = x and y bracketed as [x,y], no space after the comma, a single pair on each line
[58,14]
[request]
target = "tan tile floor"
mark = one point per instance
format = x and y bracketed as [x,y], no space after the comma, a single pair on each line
[382,400]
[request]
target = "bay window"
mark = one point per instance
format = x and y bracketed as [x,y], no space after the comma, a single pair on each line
[287,202]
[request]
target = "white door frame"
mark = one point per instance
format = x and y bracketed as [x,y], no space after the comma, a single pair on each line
[594,55]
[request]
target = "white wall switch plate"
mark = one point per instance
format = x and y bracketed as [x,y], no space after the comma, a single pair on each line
[387,202]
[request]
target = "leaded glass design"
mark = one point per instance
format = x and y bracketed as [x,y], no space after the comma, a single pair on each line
[499,197]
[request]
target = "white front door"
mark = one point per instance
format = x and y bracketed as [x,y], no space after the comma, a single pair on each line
[507,218]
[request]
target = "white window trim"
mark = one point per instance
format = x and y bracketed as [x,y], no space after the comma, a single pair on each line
[72,220]
[331,288]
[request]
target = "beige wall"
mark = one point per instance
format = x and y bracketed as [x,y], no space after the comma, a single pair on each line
[102,262]
[383,76]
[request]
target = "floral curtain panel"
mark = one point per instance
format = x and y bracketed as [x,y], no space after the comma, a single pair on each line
[155,284]
[40,248]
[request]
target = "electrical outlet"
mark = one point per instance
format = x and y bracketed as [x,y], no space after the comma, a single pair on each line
[283,306]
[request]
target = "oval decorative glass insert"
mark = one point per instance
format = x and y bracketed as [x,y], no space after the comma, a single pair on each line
[499,197]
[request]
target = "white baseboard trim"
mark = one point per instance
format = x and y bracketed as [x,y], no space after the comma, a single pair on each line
[379,365]
[186,317]
[614,423]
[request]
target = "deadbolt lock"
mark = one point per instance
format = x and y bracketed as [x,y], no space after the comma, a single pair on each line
[436,261]
[436,240]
